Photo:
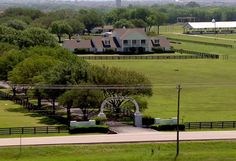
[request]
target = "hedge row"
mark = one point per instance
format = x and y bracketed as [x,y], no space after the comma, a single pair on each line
[168,127]
[90,129]
[148,120]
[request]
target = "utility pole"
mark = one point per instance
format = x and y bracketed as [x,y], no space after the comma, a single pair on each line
[177,128]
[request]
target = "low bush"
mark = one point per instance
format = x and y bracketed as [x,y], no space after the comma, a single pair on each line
[82,51]
[100,120]
[168,127]
[158,50]
[148,120]
[89,129]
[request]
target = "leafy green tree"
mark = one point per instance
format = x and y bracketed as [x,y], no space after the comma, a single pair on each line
[123,23]
[25,71]
[87,100]
[76,25]
[16,12]
[38,36]
[192,4]
[156,19]
[91,19]
[140,13]
[117,14]
[5,47]
[139,23]
[9,60]
[115,76]
[61,27]
[16,24]
[8,35]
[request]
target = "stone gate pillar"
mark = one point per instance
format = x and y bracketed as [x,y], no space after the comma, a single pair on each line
[138,119]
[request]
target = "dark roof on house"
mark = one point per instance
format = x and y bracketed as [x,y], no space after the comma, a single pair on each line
[73,44]
[86,44]
[99,42]
[70,44]
[163,41]
[123,32]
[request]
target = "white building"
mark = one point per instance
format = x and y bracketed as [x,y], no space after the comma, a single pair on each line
[210,27]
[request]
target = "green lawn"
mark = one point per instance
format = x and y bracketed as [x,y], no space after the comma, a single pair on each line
[13,115]
[213,102]
[209,103]
[175,31]
[198,151]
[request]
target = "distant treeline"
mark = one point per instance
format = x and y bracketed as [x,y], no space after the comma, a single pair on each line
[80,21]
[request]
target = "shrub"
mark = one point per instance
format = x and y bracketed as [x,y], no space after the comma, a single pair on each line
[110,51]
[158,50]
[82,51]
[148,120]
[168,127]
[100,120]
[89,129]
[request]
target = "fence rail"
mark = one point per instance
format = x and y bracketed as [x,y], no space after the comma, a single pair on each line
[200,54]
[123,57]
[34,130]
[210,125]
[204,43]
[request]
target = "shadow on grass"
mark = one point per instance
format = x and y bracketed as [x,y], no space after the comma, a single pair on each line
[20,109]
[43,118]
[48,119]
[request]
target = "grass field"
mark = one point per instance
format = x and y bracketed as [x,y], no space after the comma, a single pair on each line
[212,102]
[13,115]
[198,103]
[200,151]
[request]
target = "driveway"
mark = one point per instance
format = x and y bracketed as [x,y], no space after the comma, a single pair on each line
[121,128]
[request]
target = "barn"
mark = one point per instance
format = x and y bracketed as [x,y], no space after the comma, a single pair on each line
[214,27]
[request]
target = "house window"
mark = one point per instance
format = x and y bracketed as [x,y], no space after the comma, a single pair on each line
[143,41]
[134,42]
[156,41]
[125,41]
[107,42]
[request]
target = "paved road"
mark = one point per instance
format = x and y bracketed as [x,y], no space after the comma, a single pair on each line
[121,138]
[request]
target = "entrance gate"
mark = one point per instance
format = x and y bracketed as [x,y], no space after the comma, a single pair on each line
[137,114]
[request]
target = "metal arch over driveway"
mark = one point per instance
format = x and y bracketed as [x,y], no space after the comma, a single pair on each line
[137,114]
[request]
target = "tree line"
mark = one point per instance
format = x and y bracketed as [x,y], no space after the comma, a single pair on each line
[57,66]
[70,22]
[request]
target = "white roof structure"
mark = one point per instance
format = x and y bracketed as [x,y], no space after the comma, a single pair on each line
[205,25]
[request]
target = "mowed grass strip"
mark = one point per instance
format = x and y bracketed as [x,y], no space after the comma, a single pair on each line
[198,151]
[13,115]
[204,103]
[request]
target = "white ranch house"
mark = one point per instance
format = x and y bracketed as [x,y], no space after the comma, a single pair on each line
[120,40]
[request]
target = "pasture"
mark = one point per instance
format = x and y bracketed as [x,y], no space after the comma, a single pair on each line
[213,101]
[207,151]
[13,115]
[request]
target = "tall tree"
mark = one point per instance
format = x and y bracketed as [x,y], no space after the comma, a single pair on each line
[38,36]
[115,76]
[61,27]
[87,100]
[16,24]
